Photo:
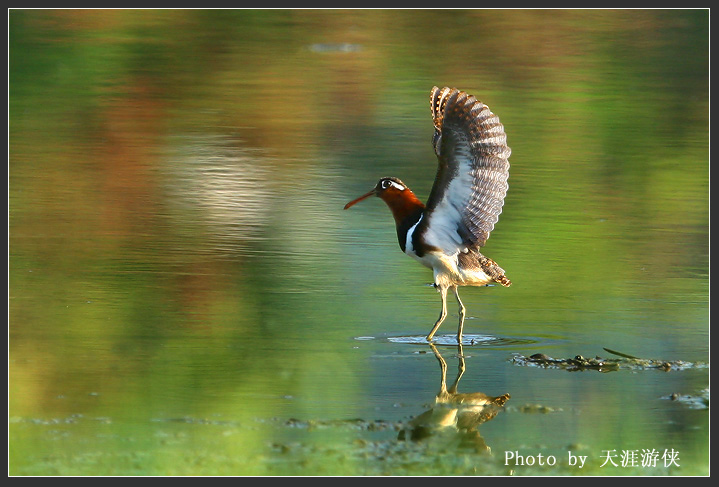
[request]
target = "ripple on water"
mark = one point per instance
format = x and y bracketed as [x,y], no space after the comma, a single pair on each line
[451,339]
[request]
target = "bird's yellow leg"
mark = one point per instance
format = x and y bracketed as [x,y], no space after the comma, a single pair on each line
[461,315]
[442,314]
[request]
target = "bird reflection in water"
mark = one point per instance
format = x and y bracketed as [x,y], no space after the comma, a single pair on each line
[456,416]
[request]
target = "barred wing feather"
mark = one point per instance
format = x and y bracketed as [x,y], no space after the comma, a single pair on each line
[471,183]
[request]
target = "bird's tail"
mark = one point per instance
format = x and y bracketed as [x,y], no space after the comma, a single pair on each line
[491,268]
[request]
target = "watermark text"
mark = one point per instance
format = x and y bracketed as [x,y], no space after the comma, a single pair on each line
[646,457]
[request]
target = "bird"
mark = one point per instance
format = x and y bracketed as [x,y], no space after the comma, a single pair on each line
[464,204]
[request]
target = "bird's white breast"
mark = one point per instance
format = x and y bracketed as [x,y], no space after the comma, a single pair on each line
[443,265]
[408,247]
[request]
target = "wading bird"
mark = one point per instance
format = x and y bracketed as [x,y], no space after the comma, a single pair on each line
[464,203]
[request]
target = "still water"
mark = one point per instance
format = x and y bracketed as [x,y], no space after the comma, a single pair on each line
[188,297]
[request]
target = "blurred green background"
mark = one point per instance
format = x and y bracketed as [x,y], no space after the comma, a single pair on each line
[187,296]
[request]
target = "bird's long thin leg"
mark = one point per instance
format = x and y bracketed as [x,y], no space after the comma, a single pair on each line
[442,314]
[461,314]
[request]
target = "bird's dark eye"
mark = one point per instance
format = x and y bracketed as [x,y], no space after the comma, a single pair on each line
[386,184]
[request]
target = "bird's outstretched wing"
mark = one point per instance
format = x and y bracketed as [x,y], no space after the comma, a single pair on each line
[471,183]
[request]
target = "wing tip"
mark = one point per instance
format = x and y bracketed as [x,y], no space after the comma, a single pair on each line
[438,102]
[460,101]
[451,106]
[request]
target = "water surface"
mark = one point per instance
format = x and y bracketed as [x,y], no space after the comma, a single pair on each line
[188,297]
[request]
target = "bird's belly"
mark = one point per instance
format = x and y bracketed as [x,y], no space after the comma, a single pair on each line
[447,271]
[475,277]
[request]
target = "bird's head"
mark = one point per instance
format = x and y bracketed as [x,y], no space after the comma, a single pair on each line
[389,189]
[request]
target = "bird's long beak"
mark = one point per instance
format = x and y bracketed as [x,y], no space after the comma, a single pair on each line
[363,197]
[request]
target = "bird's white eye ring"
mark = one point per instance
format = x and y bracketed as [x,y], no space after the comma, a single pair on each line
[387,183]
